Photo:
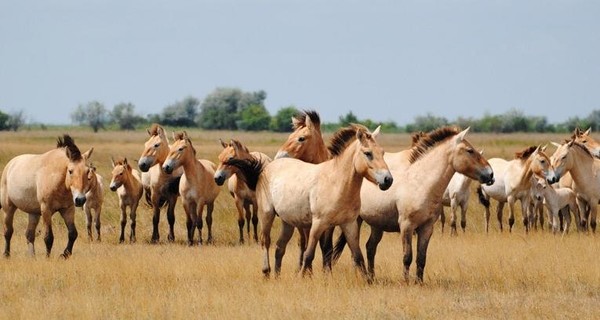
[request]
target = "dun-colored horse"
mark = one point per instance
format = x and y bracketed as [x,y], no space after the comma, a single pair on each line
[243,196]
[197,187]
[41,184]
[127,183]
[457,194]
[414,202]
[163,187]
[575,158]
[95,199]
[318,196]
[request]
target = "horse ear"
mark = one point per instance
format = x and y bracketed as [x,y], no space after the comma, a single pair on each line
[376,132]
[88,154]
[587,132]
[577,131]
[461,136]
[308,122]
[112,161]
[223,144]
[125,162]
[481,152]
[544,148]
[295,122]
[555,144]
[237,146]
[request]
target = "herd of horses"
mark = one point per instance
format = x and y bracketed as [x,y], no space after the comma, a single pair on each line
[311,187]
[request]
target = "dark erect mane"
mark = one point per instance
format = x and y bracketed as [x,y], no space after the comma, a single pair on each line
[429,140]
[342,138]
[67,142]
[300,119]
[153,131]
[523,155]
[250,169]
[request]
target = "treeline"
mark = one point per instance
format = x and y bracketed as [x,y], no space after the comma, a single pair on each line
[234,109]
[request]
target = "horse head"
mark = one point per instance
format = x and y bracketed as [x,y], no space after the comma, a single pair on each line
[180,152]
[587,140]
[156,148]
[79,174]
[541,165]
[306,142]
[120,173]
[232,151]
[470,162]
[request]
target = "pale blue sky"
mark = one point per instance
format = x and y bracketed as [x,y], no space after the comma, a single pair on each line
[384,60]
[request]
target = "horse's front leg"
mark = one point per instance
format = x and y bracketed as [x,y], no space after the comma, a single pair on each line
[88,221]
[191,220]
[285,235]
[352,234]
[34,219]
[316,230]
[155,216]
[371,246]
[98,225]
[171,216]
[132,218]
[406,233]
[511,212]
[123,223]
[524,211]
[326,244]
[499,214]
[582,223]
[69,218]
[240,209]
[424,233]
[453,208]
[593,212]
[209,219]
[48,234]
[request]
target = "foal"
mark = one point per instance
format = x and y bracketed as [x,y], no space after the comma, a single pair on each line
[95,199]
[127,183]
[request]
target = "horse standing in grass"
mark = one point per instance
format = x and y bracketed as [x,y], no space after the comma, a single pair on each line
[95,199]
[41,184]
[197,187]
[414,202]
[555,200]
[318,196]
[243,196]
[575,158]
[128,184]
[164,187]
[456,195]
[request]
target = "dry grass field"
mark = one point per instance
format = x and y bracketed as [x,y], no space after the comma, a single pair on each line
[473,275]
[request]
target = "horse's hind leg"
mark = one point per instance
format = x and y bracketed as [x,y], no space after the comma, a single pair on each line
[88,221]
[499,210]
[443,220]
[302,240]
[248,217]
[132,217]
[326,244]
[285,235]
[8,228]
[49,235]
[266,223]
[239,205]
[371,246]
[255,221]
[209,219]
[123,223]
[97,212]
[32,224]
[68,216]
[316,230]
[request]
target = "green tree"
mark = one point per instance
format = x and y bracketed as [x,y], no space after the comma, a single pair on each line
[15,120]
[347,119]
[427,123]
[3,121]
[222,108]
[282,121]
[123,114]
[254,118]
[93,114]
[181,113]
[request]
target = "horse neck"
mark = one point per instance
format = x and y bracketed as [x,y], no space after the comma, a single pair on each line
[582,168]
[321,154]
[526,174]
[341,169]
[130,183]
[192,168]
[433,171]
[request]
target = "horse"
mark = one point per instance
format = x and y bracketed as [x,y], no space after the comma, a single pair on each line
[515,178]
[127,183]
[242,195]
[587,140]
[575,158]
[95,199]
[163,187]
[317,196]
[555,200]
[306,143]
[457,194]
[197,187]
[41,184]
[414,202]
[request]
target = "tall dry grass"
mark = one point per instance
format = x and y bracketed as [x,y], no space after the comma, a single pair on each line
[473,275]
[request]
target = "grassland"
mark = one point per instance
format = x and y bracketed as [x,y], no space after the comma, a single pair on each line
[473,275]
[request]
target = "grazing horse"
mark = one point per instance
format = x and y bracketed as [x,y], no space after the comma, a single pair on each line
[243,196]
[414,202]
[41,184]
[197,187]
[306,143]
[318,196]
[128,184]
[95,199]
[575,158]
[163,187]
[515,180]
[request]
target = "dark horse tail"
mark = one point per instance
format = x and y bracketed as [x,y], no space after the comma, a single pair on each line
[482,199]
[171,189]
[250,170]
[338,248]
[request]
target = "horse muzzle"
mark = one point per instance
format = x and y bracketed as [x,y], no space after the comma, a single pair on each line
[144,164]
[487,178]
[168,168]
[386,183]
[282,154]
[113,187]
[219,179]
[80,201]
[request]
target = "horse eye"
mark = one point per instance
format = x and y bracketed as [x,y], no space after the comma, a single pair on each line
[470,150]
[230,158]
[180,149]
[70,171]
[157,145]
[542,161]
[369,155]
[564,157]
[584,141]
[301,139]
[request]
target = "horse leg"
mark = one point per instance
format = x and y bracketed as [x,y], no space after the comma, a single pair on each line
[49,235]
[240,209]
[442,220]
[34,219]
[302,240]
[69,218]
[266,223]
[406,233]
[326,244]
[453,208]
[132,217]
[123,223]
[285,235]
[593,216]
[371,246]
[316,230]
[248,217]
[511,212]
[209,219]
[88,221]
[352,234]
[171,217]
[191,221]
[524,212]
[155,217]
[97,212]
[9,229]
[582,224]
[463,215]
[499,213]
[566,214]
[424,233]
[255,221]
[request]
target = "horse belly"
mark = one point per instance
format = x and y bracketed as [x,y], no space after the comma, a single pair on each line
[292,207]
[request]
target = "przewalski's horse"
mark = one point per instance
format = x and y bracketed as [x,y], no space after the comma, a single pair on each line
[128,184]
[587,140]
[41,184]
[95,199]
[306,143]
[555,200]
[242,195]
[575,158]
[456,195]
[516,178]
[163,187]
[197,187]
[318,196]
[414,202]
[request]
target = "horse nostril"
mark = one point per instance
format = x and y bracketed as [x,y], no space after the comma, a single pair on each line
[79,201]
[219,180]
